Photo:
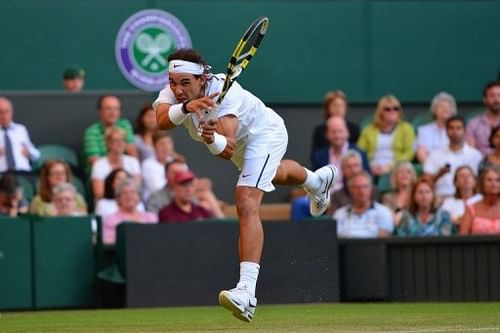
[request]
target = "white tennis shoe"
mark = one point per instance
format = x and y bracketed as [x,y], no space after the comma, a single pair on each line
[239,302]
[320,200]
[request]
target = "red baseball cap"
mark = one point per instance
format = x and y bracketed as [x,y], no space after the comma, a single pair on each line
[184,176]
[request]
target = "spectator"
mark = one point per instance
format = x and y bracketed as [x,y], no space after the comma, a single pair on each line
[16,148]
[163,197]
[73,79]
[483,217]
[494,157]
[422,217]
[12,202]
[402,179]
[108,205]
[115,158]
[364,218]
[205,197]
[153,169]
[433,136]
[53,173]
[351,164]
[64,200]
[182,208]
[145,126]
[441,164]
[388,139]
[109,108]
[337,135]
[465,194]
[479,127]
[334,104]
[127,194]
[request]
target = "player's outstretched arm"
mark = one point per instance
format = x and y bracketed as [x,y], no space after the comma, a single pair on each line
[162,119]
[220,136]
[170,115]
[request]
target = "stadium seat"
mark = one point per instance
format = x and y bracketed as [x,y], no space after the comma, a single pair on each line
[384,183]
[367,120]
[421,119]
[27,186]
[60,152]
[471,114]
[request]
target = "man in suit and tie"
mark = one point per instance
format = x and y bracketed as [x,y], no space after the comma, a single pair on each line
[16,149]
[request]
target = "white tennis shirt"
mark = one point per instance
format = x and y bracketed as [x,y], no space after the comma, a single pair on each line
[255,120]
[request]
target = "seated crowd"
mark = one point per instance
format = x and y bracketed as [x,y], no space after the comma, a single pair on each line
[439,178]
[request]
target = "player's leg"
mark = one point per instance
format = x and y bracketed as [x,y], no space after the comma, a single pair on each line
[317,184]
[241,300]
[255,178]
[248,200]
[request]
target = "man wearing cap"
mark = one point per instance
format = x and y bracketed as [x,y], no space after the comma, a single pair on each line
[182,208]
[254,137]
[73,79]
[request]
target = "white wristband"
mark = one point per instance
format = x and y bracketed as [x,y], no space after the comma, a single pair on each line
[219,144]
[176,115]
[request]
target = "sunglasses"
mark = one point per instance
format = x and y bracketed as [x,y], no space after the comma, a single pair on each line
[394,108]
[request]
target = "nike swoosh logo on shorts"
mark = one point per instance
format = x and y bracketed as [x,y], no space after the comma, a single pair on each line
[245,176]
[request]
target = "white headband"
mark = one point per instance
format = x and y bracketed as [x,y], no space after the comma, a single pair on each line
[183,66]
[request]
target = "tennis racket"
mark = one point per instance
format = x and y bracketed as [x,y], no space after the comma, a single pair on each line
[243,53]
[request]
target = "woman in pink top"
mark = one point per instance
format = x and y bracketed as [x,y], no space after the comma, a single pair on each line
[483,217]
[127,196]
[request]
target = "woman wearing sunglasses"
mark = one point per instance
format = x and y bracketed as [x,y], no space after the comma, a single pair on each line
[388,139]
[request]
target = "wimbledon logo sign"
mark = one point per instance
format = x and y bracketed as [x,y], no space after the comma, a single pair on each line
[143,45]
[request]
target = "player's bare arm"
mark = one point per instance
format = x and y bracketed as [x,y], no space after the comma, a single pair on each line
[165,117]
[225,126]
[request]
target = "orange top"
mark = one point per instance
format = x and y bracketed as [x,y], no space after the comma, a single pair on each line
[483,225]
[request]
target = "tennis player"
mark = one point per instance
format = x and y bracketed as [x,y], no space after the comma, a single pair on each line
[254,138]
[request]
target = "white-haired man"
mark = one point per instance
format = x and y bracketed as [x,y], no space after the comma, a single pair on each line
[254,138]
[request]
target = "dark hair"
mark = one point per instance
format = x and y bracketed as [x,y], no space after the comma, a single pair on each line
[413,207]
[139,123]
[330,97]
[489,85]
[455,118]
[9,184]
[100,99]
[109,191]
[492,135]
[189,55]
[158,135]
[44,189]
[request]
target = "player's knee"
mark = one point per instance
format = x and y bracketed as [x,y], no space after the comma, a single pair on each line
[247,208]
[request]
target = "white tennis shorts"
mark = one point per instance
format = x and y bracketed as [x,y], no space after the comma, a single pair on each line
[262,158]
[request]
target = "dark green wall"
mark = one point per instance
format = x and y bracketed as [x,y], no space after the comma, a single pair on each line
[367,48]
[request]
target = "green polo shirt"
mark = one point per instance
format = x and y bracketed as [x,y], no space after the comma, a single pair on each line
[94,142]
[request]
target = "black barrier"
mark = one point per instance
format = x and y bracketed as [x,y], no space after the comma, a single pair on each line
[459,268]
[188,264]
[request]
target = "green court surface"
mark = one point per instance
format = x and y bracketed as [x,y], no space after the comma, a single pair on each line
[362,318]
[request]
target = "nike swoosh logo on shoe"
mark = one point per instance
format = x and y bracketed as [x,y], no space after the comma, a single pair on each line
[327,186]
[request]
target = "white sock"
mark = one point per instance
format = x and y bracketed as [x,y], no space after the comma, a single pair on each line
[249,272]
[313,182]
